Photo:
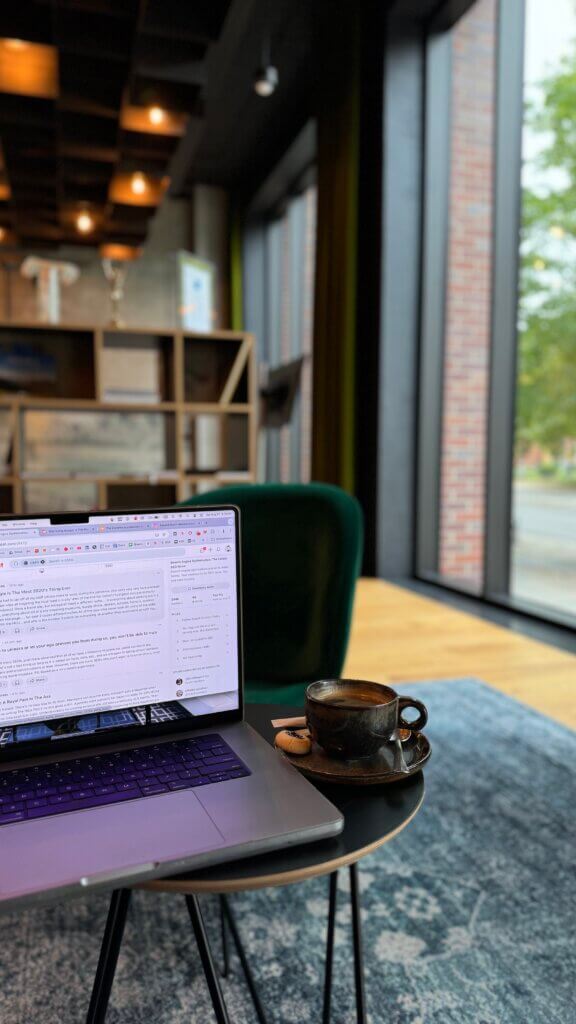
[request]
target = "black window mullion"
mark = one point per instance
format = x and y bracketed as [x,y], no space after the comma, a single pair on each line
[505,265]
[436,186]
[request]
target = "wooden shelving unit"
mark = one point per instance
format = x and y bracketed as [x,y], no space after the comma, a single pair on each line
[125,416]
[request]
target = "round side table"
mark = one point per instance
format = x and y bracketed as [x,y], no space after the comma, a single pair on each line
[373,815]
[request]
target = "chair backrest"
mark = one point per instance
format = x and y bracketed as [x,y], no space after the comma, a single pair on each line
[301,551]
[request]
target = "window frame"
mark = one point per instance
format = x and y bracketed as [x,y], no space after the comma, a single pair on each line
[269,212]
[505,249]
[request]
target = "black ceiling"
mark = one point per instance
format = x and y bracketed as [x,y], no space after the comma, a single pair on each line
[61,153]
[243,135]
[193,57]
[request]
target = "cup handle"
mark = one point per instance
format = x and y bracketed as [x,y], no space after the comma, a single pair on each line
[420,722]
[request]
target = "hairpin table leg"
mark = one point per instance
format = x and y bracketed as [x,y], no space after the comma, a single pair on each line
[244,961]
[224,937]
[109,950]
[357,937]
[330,947]
[218,1003]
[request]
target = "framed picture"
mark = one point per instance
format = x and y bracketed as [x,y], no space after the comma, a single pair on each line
[197,288]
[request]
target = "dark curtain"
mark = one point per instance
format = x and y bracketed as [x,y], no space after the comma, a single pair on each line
[334,386]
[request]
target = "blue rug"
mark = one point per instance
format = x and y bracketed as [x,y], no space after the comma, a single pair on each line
[469,915]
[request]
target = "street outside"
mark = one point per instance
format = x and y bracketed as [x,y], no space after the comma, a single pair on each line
[544,545]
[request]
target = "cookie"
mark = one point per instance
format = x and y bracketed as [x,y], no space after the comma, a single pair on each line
[294,741]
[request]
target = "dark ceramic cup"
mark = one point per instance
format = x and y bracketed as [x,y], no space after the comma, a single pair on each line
[352,718]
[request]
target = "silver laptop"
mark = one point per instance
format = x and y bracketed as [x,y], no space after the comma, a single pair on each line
[123,751]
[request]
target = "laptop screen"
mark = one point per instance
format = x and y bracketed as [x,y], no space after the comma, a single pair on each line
[116,621]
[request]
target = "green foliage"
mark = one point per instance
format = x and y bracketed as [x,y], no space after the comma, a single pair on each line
[546,401]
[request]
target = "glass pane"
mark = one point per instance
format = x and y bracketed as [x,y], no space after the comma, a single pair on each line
[544,490]
[468,299]
[291,244]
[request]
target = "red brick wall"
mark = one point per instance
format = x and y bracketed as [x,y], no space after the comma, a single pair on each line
[468,299]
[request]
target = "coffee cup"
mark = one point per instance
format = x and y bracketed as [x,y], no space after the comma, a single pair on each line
[353,718]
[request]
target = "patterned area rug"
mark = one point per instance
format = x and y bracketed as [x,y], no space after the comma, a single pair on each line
[469,915]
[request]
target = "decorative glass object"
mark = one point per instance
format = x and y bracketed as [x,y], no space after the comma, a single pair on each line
[115,272]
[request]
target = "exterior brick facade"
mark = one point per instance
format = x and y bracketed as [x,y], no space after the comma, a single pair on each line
[468,298]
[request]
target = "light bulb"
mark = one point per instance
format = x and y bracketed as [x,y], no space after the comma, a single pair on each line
[266,80]
[84,223]
[138,184]
[15,44]
[156,115]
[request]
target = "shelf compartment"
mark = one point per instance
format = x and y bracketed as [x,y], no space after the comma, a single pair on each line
[6,498]
[215,443]
[50,362]
[136,368]
[216,371]
[99,443]
[59,496]
[141,495]
[7,422]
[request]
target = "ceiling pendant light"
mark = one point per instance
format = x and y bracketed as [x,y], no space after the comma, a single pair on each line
[16,44]
[138,184]
[156,115]
[84,222]
[266,78]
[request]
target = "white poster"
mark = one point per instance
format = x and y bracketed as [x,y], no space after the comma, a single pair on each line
[196,293]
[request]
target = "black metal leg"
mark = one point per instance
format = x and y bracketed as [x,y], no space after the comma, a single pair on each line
[218,1003]
[330,948]
[244,961]
[109,950]
[357,937]
[224,938]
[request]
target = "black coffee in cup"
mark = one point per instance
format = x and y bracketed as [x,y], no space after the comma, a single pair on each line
[352,718]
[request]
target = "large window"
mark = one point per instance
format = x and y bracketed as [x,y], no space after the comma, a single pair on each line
[497,443]
[290,243]
[544,495]
[467,299]
[279,265]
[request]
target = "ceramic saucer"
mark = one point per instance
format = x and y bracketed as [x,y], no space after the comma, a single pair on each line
[396,760]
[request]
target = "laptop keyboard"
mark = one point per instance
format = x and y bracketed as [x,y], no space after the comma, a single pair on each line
[94,781]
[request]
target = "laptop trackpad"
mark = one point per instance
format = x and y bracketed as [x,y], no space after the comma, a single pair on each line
[61,850]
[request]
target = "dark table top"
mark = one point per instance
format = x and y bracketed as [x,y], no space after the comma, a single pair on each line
[373,815]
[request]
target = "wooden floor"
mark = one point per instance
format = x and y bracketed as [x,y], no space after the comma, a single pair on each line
[398,635]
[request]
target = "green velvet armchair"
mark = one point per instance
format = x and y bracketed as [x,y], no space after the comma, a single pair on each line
[301,552]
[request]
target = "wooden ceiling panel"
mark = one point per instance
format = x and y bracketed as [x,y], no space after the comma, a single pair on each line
[149,193]
[35,172]
[112,251]
[24,111]
[93,79]
[202,20]
[175,60]
[137,119]
[87,34]
[118,9]
[85,171]
[131,239]
[88,192]
[78,81]
[31,69]
[154,149]
[76,150]
[179,96]
[86,130]
[27,19]
[130,216]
